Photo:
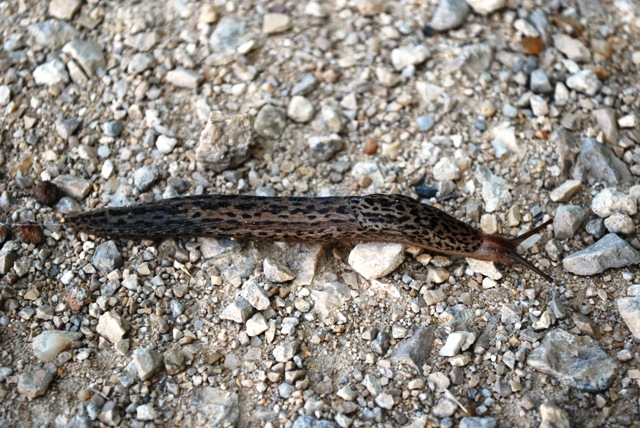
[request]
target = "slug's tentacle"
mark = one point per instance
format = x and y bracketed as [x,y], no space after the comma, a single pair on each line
[391,218]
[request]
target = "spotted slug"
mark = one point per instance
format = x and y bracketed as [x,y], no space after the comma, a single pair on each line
[386,218]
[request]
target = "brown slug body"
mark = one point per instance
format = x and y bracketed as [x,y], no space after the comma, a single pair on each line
[387,218]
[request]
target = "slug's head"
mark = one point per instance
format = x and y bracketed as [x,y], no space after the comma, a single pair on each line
[496,248]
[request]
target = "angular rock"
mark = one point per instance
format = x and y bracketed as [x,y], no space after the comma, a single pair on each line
[323,148]
[145,177]
[494,189]
[87,54]
[300,109]
[577,360]
[106,257]
[620,223]
[629,308]
[34,383]
[374,260]
[214,407]
[228,35]
[609,252]
[257,325]
[286,351]
[573,48]
[565,191]
[273,23]
[449,14]
[48,344]
[539,82]
[225,141]
[112,327]
[485,7]
[457,341]
[146,363]
[477,422]
[183,78]
[73,186]
[585,81]
[599,162]
[606,120]
[408,55]
[275,271]
[64,9]
[255,295]
[609,201]
[553,416]
[568,220]
[417,349]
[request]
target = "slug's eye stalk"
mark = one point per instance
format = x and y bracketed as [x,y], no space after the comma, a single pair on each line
[496,248]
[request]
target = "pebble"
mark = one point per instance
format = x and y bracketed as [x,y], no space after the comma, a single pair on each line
[629,309]
[610,251]
[457,341]
[374,260]
[110,414]
[323,148]
[609,201]
[270,121]
[486,7]
[584,81]
[425,122]
[48,344]
[477,422]
[254,294]
[449,14]
[285,351]
[275,271]
[485,268]
[73,186]
[257,325]
[275,23]
[51,33]
[577,360]
[146,362]
[385,401]
[215,407]
[145,177]
[568,220]
[539,106]
[225,141]
[64,9]
[628,121]
[444,409]
[606,120]
[67,127]
[565,191]
[495,192]
[106,257]
[238,311]
[574,49]
[380,345]
[5,95]
[87,54]
[51,73]
[446,170]
[183,78]
[416,350]
[370,7]
[595,228]
[599,161]
[112,327]
[228,35]
[174,361]
[305,85]
[539,82]
[166,144]
[146,412]
[300,109]
[553,416]
[408,55]
[113,128]
[386,77]
[34,383]
[620,223]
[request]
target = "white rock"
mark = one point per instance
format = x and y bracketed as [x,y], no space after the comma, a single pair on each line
[408,55]
[446,170]
[238,311]
[565,191]
[374,260]
[628,121]
[275,271]
[51,73]
[165,144]
[506,134]
[48,344]
[300,109]
[256,325]
[457,341]
[255,295]
[146,412]
[183,78]
[629,308]
[610,200]
[574,49]
[485,268]
[112,326]
[485,7]
[495,192]
[584,81]
[539,105]
[5,95]
[620,223]
[387,78]
[275,23]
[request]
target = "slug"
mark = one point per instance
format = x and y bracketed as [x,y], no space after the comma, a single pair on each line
[389,218]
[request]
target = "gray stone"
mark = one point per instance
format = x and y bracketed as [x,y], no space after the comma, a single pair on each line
[311,422]
[599,161]
[64,9]
[286,351]
[112,327]
[256,325]
[574,49]
[449,14]
[146,412]
[595,228]
[52,33]
[275,271]
[374,260]
[425,122]
[73,186]
[7,260]
[225,141]
[584,81]
[629,308]
[445,408]
[323,148]
[300,109]
[213,248]
[387,77]
[417,349]
[48,344]
[140,62]
[408,55]
[255,295]
[306,85]
[539,82]
[568,220]
[67,127]
[228,35]
[110,414]
[142,42]
[620,223]
[609,252]
[446,170]
[87,54]
[495,192]
[565,191]
[34,383]
[477,422]
[106,257]
[606,120]
[553,416]
[457,341]
[380,345]
[145,177]
[51,73]
[5,95]
[146,363]
[238,311]
[114,128]
[577,360]
[270,121]
[539,106]
[183,78]
[385,401]
[174,361]
[609,201]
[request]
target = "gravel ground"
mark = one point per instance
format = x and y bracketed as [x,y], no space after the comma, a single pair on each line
[502,114]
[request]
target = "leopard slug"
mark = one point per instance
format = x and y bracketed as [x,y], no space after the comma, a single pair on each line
[389,218]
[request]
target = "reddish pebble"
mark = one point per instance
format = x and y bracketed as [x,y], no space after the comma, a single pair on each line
[370,147]
[47,193]
[76,298]
[532,45]
[31,233]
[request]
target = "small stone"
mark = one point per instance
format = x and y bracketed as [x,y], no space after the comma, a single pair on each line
[254,294]
[208,14]
[629,308]
[565,191]
[610,201]
[225,141]
[145,177]
[64,9]
[577,360]
[585,325]
[553,416]
[444,409]
[146,363]
[386,77]
[270,121]
[449,14]
[628,121]
[7,260]
[35,383]
[166,144]
[574,49]
[477,422]
[228,35]
[370,7]
[215,407]
[487,269]
[620,223]
[417,349]
[606,120]
[75,187]
[425,122]
[408,55]
[584,81]
[568,220]
[539,82]
[457,341]
[113,128]
[380,345]
[174,361]
[374,260]
[145,412]
[106,257]
[599,161]
[286,351]
[485,7]
[238,311]
[275,271]
[495,192]
[446,170]
[257,325]
[87,54]
[609,252]
[48,344]
[275,23]
[183,78]
[67,127]
[323,148]
[306,85]
[509,314]
[433,297]
[51,73]
[385,401]
[595,228]
[545,321]
[539,106]
[112,327]
[52,33]
[47,193]
[300,109]
[5,95]
[110,414]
